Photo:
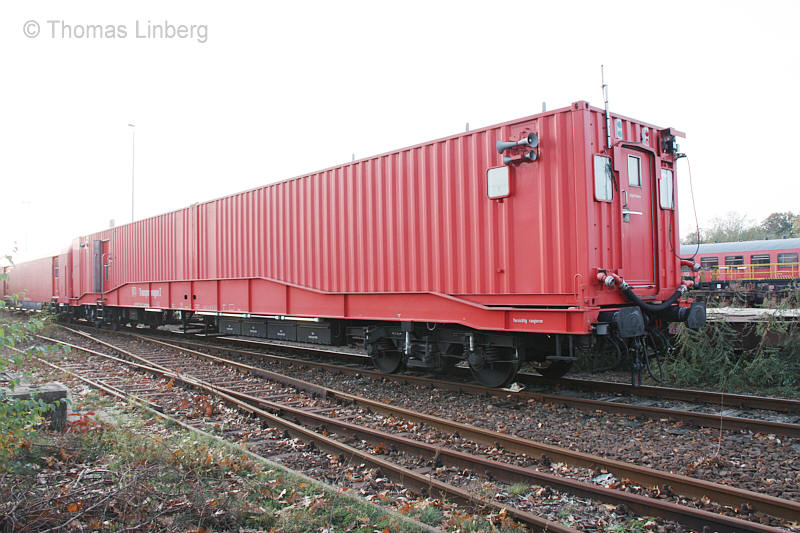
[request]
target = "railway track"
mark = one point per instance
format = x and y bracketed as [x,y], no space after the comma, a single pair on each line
[703,408]
[715,398]
[306,424]
[110,381]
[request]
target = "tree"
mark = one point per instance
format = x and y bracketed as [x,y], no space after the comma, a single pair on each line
[779,225]
[728,228]
[734,227]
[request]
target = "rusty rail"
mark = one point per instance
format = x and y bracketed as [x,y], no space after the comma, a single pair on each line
[585,404]
[722,494]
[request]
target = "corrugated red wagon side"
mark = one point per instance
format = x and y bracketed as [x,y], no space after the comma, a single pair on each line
[520,241]
[31,283]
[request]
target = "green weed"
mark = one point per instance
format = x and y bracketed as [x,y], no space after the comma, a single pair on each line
[518,488]
[761,357]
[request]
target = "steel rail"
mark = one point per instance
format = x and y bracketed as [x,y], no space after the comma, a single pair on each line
[419,483]
[722,494]
[701,419]
[728,400]
[509,473]
[697,488]
[106,388]
[123,396]
[716,398]
[744,401]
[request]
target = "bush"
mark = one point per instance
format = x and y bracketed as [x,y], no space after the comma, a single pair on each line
[752,357]
[18,418]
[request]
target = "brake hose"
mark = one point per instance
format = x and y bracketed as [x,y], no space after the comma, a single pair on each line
[653,308]
[610,279]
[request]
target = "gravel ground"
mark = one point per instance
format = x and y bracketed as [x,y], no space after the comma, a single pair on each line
[613,375]
[742,458]
[212,416]
[208,414]
[763,463]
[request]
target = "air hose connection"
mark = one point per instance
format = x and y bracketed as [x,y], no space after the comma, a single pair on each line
[609,279]
[695,267]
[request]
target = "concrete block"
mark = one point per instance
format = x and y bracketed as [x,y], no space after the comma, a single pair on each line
[49,393]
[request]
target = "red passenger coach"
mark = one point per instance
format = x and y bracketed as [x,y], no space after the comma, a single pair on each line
[753,270]
[518,242]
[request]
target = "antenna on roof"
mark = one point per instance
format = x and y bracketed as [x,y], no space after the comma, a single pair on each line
[605,101]
[544,107]
[467,127]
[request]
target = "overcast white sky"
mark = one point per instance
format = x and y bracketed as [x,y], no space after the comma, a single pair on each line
[279,89]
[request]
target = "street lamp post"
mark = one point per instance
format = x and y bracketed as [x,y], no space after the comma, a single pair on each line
[133,161]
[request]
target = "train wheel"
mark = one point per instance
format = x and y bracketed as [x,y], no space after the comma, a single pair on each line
[385,356]
[555,369]
[494,367]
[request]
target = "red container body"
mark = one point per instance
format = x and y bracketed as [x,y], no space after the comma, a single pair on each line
[31,281]
[412,235]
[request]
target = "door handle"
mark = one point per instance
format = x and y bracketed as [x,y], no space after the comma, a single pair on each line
[625,210]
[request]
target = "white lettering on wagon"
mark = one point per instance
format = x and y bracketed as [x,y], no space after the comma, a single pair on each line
[136,291]
[527,321]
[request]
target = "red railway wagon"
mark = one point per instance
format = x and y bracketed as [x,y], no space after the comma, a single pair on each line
[30,284]
[753,269]
[516,242]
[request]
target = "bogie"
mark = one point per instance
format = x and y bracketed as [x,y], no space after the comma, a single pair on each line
[493,357]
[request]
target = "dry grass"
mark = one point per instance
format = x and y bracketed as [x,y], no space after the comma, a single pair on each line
[139,475]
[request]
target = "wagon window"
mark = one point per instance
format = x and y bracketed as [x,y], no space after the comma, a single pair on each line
[760,261]
[634,171]
[732,260]
[709,262]
[55,267]
[788,261]
[667,189]
[603,179]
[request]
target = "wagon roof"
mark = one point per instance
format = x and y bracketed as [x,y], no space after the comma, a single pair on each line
[741,246]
